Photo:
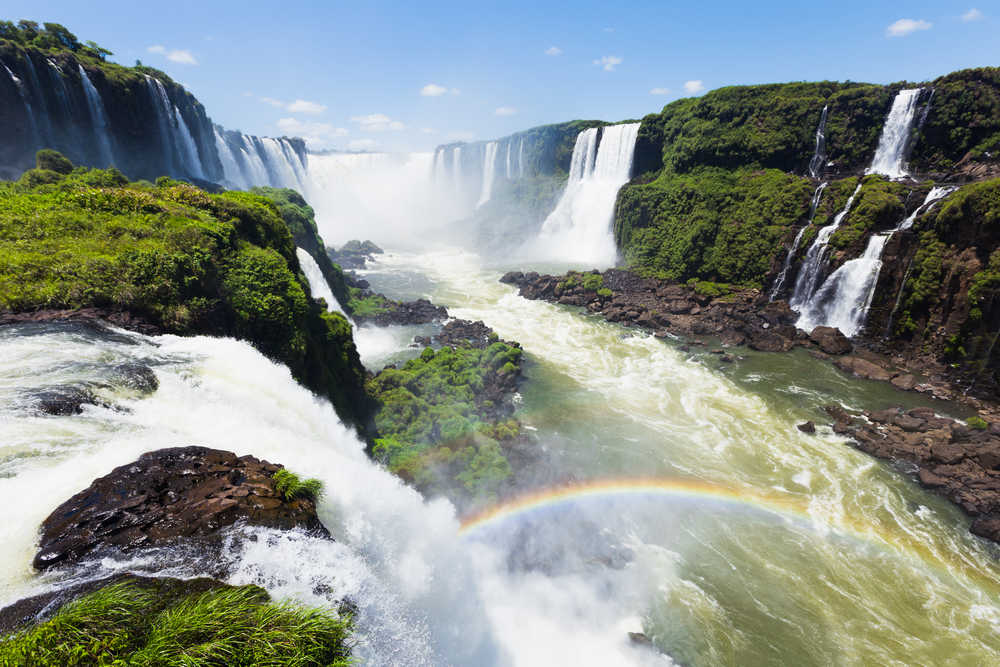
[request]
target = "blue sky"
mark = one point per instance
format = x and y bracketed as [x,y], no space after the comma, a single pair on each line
[409,76]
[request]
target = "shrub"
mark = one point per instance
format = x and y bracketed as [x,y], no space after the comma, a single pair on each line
[53,161]
[289,485]
[977,423]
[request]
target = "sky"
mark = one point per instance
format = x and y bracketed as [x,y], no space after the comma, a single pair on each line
[406,76]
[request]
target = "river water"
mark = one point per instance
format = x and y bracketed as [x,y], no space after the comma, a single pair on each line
[690,507]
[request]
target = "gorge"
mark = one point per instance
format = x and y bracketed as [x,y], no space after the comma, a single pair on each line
[626,441]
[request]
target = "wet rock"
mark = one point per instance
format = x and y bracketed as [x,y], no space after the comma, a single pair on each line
[767,341]
[862,368]
[886,416]
[908,423]
[928,478]
[986,526]
[947,453]
[165,495]
[830,340]
[904,381]
[463,333]
[420,311]
[137,377]
[807,427]
[640,638]
[63,401]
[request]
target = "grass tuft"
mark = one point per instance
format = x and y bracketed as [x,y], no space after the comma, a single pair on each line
[291,486]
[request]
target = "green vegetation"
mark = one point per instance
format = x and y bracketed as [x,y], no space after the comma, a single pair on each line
[592,282]
[301,221]
[364,303]
[291,486]
[171,623]
[439,424]
[710,224]
[184,260]
[710,289]
[977,423]
[879,205]
[965,119]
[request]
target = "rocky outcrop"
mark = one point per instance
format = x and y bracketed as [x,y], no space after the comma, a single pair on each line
[354,254]
[168,495]
[830,340]
[959,462]
[420,311]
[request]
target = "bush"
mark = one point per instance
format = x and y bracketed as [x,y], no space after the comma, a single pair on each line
[977,423]
[289,485]
[53,161]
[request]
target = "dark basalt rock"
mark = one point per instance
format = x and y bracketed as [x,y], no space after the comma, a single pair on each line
[63,401]
[165,495]
[807,427]
[136,377]
[830,340]
[463,333]
[420,311]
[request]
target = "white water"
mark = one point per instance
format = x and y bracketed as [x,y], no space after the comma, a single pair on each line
[845,298]
[779,282]
[894,142]
[257,172]
[812,265]
[318,286]
[489,173]
[99,119]
[579,229]
[285,174]
[189,149]
[819,153]
[456,169]
[230,167]
[508,174]
[164,121]
[24,98]
[520,159]
[425,595]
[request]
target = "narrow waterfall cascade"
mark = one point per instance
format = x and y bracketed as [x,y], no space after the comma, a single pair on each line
[779,282]
[845,298]
[74,142]
[508,174]
[99,118]
[895,141]
[812,266]
[164,121]
[318,287]
[579,229]
[22,91]
[189,148]
[818,160]
[230,167]
[456,168]
[489,173]
[257,172]
[284,174]
[520,159]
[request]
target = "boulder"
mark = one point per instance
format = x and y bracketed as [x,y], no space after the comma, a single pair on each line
[830,340]
[904,381]
[862,368]
[168,494]
[807,427]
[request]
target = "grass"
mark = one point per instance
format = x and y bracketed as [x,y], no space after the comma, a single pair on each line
[128,624]
[291,486]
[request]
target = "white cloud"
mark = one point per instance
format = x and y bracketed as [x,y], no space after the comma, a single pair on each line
[505,111]
[608,63]
[553,51]
[904,27]
[316,134]
[305,106]
[433,90]
[694,86]
[659,91]
[181,56]
[361,144]
[273,102]
[972,15]
[377,122]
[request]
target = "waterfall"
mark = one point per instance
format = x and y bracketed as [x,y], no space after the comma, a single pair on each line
[894,142]
[230,167]
[27,103]
[45,129]
[164,122]
[456,168]
[318,287]
[188,147]
[99,119]
[489,173]
[819,153]
[520,159]
[579,229]
[258,172]
[790,257]
[74,146]
[844,299]
[507,165]
[812,266]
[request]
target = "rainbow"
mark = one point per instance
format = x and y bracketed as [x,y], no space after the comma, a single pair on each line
[782,505]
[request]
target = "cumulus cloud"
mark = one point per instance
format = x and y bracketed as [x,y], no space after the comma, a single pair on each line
[320,135]
[553,51]
[273,102]
[659,91]
[904,27]
[433,90]
[608,63]
[505,111]
[361,144]
[182,56]
[305,106]
[972,15]
[377,122]
[694,86]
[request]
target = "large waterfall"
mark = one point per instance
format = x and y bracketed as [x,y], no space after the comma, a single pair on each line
[894,143]
[779,282]
[579,229]
[99,118]
[844,299]
[818,160]
[489,172]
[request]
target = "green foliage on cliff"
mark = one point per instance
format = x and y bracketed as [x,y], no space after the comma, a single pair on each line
[438,427]
[301,221]
[711,224]
[291,486]
[185,260]
[964,119]
[878,206]
[172,623]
